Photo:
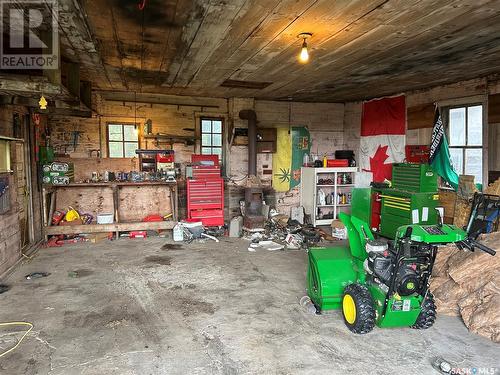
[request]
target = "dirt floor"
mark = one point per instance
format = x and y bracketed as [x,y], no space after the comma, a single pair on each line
[146,307]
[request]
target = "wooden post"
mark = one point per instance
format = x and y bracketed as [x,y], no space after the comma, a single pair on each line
[52,207]
[116,206]
[173,201]
[44,213]
[176,203]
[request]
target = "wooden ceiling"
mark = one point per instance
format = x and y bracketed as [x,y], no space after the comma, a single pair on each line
[359,48]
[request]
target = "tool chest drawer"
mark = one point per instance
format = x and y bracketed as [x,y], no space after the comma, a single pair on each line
[207,173]
[205,201]
[396,206]
[205,191]
[403,208]
[418,178]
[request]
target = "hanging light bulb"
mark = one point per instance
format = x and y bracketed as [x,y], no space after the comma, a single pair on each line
[304,52]
[42,102]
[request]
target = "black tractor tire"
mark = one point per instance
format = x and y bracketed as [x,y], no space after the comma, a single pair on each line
[427,315]
[364,320]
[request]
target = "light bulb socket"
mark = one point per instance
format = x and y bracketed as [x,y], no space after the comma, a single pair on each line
[304,35]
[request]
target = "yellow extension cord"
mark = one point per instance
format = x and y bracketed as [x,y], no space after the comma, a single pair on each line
[30,325]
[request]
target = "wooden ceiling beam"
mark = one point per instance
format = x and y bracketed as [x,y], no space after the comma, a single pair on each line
[152,98]
[26,85]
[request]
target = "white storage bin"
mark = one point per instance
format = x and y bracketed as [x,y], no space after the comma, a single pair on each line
[105,218]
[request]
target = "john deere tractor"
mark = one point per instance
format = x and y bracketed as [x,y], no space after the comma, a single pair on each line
[383,283]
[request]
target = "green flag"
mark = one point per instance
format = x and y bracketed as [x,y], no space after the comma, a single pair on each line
[292,145]
[439,158]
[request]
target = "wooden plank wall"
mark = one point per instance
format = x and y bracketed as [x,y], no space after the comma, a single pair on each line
[420,116]
[325,122]
[135,202]
[14,223]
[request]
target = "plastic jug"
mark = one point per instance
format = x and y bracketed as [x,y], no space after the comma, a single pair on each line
[178,233]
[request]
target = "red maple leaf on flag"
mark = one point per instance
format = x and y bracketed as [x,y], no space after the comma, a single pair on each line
[379,169]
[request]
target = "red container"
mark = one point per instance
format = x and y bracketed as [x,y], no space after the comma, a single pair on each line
[337,163]
[205,166]
[417,153]
[138,234]
[197,158]
[152,218]
[165,158]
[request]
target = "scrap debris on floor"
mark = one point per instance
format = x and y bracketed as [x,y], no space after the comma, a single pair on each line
[279,232]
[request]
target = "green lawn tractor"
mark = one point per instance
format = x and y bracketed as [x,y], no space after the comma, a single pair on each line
[383,283]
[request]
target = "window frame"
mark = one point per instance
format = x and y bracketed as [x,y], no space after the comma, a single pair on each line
[123,139]
[466,147]
[212,118]
[6,163]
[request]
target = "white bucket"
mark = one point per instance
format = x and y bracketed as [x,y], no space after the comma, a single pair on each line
[105,218]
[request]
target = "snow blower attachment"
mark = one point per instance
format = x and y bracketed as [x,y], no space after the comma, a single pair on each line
[381,283]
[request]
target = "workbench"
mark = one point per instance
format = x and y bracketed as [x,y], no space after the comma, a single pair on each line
[49,197]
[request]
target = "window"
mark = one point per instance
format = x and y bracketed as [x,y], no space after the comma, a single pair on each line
[123,140]
[211,137]
[466,140]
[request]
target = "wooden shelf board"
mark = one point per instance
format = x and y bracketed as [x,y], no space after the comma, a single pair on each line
[102,228]
[113,183]
[323,221]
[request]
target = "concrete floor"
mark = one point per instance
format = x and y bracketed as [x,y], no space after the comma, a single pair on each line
[203,309]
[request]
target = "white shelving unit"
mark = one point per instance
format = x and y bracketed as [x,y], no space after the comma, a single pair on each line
[310,186]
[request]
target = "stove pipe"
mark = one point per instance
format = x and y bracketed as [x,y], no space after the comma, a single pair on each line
[250,115]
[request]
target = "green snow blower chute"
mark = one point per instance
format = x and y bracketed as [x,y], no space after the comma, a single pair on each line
[383,283]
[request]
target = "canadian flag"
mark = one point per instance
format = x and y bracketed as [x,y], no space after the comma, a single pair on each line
[382,142]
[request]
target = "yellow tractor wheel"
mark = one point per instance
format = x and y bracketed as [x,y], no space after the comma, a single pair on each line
[358,309]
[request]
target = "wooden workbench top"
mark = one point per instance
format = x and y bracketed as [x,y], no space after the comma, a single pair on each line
[113,183]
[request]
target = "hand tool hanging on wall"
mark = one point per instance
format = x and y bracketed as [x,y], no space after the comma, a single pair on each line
[76,135]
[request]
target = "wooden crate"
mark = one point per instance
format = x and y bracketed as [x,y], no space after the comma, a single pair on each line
[447,200]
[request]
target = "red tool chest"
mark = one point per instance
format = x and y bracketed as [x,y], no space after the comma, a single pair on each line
[205,191]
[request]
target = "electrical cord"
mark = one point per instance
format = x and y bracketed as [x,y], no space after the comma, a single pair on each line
[30,325]
[238,179]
